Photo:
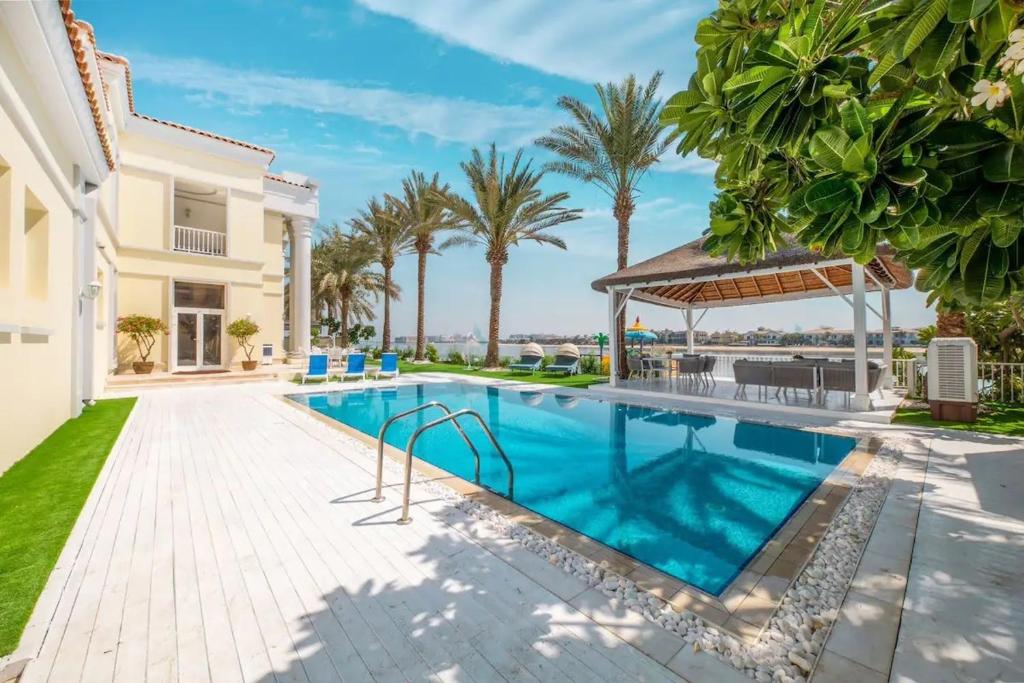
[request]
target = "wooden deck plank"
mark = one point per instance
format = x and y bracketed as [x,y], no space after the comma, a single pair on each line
[229,539]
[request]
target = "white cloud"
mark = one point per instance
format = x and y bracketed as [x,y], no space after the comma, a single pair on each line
[442,118]
[578,39]
[671,162]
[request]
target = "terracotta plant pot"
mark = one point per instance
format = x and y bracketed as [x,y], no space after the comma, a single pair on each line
[142,367]
[249,364]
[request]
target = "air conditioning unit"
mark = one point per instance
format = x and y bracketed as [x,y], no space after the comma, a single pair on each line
[268,354]
[953,379]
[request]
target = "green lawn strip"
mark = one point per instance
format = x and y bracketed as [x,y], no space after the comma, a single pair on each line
[540,377]
[40,498]
[999,418]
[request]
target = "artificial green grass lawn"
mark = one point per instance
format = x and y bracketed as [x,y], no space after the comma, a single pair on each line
[579,381]
[1000,418]
[540,377]
[40,498]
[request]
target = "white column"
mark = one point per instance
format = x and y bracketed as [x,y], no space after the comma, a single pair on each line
[689,328]
[291,287]
[613,347]
[861,400]
[302,245]
[88,298]
[887,336]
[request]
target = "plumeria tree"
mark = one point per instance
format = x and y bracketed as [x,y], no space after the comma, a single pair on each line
[850,123]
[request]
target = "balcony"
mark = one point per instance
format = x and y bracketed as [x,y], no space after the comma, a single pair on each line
[199,241]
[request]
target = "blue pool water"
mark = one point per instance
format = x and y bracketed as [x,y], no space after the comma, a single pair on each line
[693,496]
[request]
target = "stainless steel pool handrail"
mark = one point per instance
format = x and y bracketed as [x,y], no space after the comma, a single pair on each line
[451,417]
[384,428]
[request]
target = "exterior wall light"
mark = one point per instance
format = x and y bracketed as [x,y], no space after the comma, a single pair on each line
[92,290]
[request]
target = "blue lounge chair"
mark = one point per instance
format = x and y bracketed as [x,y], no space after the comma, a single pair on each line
[356,366]
[388,365]
[317,367]
[570,365]
[527,363]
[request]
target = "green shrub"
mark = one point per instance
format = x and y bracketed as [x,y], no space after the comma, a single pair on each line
[548,360]
[406,354]
[243,330]
[455,358]
[143,330]
[432,355]
[589,365]
[505,361]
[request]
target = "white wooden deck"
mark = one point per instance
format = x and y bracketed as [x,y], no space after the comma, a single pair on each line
[230,538]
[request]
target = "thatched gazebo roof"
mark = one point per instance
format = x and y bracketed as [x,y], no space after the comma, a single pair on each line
[689,276]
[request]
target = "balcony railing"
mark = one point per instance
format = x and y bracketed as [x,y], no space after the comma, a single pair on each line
[199,241]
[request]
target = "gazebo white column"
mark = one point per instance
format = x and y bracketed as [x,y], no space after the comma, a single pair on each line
[302,246]
[689,328]
[887,337]
[613,341]
[861,400]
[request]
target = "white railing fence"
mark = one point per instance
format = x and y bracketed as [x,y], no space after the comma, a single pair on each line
[1000,382]
[997,382]
[199,241]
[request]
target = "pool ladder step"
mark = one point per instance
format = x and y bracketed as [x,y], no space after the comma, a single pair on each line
[449,416]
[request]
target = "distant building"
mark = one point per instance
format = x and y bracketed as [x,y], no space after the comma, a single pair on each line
[763,336]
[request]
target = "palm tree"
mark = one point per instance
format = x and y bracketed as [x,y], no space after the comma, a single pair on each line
[508,207]
[379,224]
[421,209]
[342,279]
[613,153]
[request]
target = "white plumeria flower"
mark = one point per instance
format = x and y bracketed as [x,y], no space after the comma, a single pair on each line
[1016,36]
[1015,51]
[990,94]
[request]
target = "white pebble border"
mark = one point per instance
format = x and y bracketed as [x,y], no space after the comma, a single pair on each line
[788,647]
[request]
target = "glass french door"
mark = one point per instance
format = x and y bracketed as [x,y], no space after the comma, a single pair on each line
[199,339]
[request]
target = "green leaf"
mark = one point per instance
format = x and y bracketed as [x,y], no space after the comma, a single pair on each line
[985,274]
[1004,164]
[873,203]
[911,176]
[828,148]
[747,78]
[965,10]
[936,184]
[853,162]
[884,66]
[939,49]
[764,104]
[904,236]
[930,16]
[855,119]
[853,235]
[829,194]
[964,137]
[1005,233]
[999,200]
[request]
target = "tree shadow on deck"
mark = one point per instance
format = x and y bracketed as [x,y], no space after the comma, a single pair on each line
[450,609]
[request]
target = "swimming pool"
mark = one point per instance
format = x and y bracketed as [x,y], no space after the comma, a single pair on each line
[693,496]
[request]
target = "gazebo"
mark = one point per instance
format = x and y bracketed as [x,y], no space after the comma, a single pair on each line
[690,279]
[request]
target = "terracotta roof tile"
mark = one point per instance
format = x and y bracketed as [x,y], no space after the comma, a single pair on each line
[81,37]
[282,179]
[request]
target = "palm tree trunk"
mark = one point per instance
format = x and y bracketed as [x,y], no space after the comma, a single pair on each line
[421,285]
[385,344]
[344,320]
[492,360]
[622,211]
[950,324]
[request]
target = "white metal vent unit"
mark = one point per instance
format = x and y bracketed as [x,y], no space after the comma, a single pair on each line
[953,370]
[268,354]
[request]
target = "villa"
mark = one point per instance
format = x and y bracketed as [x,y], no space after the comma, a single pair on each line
[106,211]
[719,515]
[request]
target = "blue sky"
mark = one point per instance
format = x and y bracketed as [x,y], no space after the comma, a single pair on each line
[357,94]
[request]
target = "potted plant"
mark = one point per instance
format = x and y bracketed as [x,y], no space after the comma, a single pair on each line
[243,330]
[143,330]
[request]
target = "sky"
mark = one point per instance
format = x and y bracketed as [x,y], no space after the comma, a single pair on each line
[356,94]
